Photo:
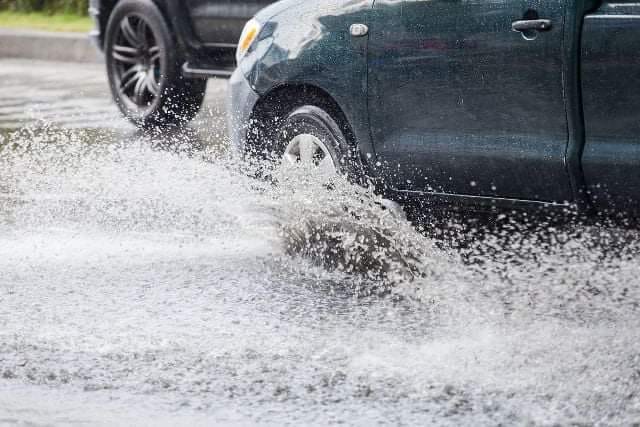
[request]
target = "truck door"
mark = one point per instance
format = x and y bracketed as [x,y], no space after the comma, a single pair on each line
[461,103]
[611,101]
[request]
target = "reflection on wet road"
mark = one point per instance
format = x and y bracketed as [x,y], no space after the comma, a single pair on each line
[145,280]
[76,96]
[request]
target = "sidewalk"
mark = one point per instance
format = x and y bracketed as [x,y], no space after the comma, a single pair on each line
[33,44]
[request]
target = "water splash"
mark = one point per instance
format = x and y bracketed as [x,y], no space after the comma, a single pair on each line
[147,266]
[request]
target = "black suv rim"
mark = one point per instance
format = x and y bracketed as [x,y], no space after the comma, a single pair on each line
[137,63]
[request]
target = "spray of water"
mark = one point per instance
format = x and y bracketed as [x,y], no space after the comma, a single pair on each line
[304,293]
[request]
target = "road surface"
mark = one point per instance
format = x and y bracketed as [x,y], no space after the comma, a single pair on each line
[145,280]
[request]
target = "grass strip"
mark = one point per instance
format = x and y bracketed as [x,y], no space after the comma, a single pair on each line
[46,22]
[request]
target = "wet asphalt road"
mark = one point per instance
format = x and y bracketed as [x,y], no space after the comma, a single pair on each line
[145,281]
[76,96]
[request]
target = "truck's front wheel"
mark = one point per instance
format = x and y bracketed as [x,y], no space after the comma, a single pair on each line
[144,67]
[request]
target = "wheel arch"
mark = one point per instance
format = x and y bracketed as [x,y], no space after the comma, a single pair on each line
[276,104]
[106,9]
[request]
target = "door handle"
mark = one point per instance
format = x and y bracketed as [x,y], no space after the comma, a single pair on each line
[531,25]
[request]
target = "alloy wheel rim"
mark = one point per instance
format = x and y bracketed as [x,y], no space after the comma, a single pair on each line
[137,62]
[309,152]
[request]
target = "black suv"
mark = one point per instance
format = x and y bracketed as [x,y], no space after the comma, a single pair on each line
[159,53]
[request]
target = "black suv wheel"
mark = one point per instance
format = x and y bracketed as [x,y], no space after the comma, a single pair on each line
[144,67]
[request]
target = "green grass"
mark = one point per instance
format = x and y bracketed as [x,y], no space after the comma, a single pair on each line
[44,21]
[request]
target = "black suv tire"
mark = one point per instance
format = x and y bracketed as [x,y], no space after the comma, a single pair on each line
[144,67]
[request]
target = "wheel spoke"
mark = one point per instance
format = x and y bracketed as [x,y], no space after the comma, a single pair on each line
[154,51]
[129,33]
[141,33]
[326,165]
[125,54]
[128,78]
[307,149]
[152,85]
[291,159]
[309,152]
[138,91]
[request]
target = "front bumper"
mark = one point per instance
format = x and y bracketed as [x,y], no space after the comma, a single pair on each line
[240,105]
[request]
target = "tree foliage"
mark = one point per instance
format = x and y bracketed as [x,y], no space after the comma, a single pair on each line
[77,7]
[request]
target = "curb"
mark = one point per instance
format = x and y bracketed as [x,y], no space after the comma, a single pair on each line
[49,46]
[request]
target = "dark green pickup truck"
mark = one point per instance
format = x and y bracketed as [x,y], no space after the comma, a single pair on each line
[484,102]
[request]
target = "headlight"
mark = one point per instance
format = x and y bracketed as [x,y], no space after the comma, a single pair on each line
[249,34]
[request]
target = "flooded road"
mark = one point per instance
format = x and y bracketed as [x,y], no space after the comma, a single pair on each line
[145,280]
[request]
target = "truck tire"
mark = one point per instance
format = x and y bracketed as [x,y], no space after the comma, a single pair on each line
[309,134]
[144,67]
